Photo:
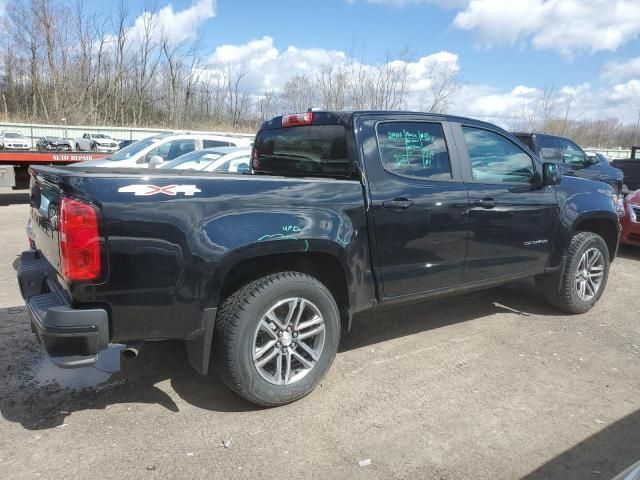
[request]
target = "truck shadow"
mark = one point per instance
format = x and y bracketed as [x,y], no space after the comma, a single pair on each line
[603,455]
[518,298]
[39,395]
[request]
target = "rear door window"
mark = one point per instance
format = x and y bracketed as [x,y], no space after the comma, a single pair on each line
[314,150]
[414,149]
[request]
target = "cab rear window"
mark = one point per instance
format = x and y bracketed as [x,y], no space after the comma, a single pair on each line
[314,150]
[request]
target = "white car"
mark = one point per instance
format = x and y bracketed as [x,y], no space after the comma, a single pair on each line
[221,159]
[96,142]
[13,141]
[154,151]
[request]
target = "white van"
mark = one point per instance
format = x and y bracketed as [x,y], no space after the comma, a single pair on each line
[156,150]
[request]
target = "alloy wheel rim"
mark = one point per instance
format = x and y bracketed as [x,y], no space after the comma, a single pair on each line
[590,274]
[288,341]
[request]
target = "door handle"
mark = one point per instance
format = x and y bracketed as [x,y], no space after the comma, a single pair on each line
[398,203]
[485,203]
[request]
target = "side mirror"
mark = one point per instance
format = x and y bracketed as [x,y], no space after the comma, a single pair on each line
[551,174]
[244,168]
[155,161]
[591,160]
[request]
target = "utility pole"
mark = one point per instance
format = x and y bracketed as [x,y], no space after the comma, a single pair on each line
[635,135]
[65,127]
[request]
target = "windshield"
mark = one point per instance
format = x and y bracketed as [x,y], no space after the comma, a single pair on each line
[53,139]
[193,161]
[131,150]
[315,150]
[13,135]
[101,135]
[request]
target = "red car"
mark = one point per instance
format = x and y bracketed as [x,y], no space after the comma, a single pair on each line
[631,219]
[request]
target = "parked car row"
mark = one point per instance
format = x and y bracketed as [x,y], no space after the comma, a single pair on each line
[100,142]
[155,151]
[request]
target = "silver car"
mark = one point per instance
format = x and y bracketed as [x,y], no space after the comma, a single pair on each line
[221,159]
[13,141]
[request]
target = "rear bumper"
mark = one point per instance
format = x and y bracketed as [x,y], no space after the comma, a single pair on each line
[71,337]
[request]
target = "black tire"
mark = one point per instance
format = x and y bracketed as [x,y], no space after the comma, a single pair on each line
[77,147]
[235,329]
[563,293]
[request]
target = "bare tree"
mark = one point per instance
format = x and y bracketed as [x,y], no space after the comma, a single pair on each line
[550,98]
[444,83]
[298,94]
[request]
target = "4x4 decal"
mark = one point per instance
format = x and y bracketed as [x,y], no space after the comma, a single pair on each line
[146,190]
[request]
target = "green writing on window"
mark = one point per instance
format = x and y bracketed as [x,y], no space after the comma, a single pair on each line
[412,145]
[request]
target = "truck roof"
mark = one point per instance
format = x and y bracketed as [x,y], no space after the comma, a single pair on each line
[344,117]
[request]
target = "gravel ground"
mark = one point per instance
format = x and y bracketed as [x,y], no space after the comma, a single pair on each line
[459,388]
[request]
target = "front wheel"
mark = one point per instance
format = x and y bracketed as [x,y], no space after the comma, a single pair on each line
[276,337]
[584,277]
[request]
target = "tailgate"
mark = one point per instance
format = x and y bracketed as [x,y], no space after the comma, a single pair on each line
[45,215]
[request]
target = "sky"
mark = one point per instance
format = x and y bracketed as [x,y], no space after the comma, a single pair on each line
[506,51]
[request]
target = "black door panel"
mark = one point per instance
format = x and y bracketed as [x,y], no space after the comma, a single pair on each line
[512,218]
[514,236]
[418,205]
[422,247]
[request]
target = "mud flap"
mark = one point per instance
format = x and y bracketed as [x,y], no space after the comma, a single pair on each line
[199,349]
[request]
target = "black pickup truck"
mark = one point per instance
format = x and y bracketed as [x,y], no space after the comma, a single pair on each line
[571,159]
[343,212]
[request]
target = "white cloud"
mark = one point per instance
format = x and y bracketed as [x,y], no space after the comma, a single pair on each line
[507,107]
[486,103]
[268,69]
[175,26]
[405,3]
[626,94]
[568,26]
[619,71]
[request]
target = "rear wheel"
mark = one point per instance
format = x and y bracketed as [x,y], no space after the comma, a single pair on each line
[584,277]
[276,337]
[77,147]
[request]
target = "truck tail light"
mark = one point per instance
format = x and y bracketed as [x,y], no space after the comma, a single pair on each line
[297,120]
[79,240]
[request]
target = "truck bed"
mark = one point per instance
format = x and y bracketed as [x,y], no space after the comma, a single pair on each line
[166,232]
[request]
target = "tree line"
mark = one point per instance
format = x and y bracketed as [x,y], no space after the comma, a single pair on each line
[554,112]
[60,61]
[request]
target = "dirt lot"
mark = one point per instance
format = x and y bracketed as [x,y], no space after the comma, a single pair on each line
[452,389]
